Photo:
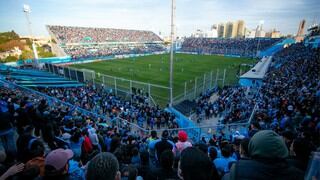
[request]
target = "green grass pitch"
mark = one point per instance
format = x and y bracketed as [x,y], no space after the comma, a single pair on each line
[155,69]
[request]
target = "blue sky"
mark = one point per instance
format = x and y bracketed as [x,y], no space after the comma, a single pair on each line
[154,15]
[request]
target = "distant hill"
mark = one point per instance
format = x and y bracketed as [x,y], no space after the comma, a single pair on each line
[9,40]
[8,36]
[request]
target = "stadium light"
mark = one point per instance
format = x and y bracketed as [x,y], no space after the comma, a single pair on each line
[173,8]
[27,11]
[261,22]
[26,8]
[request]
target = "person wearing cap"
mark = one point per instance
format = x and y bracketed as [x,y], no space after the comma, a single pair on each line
[268,153]
[56,164]
[163,144]
[182,143]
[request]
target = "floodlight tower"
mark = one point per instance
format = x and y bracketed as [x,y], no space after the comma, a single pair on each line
[173,9]
[27,11]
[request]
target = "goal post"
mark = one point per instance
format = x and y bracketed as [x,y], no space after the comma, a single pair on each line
[88,75]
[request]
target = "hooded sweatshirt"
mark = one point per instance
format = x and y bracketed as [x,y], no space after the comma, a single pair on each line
[268,154]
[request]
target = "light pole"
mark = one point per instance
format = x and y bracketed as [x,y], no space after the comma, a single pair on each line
[173,8]
[27,11]
[260,31]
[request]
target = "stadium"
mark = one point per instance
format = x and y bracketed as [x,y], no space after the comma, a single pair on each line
[92,102]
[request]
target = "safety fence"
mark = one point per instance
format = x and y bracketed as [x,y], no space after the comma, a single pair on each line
[195,133]
[157,94]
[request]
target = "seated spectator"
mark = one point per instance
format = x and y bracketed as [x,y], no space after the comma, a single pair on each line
[103,166]
[268,152]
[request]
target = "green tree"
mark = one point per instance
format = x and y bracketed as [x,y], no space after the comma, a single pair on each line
[11,59]
[26,55]
[7,36]
[42,53]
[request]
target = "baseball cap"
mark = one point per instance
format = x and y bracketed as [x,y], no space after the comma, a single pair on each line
[58,158]
[183,136]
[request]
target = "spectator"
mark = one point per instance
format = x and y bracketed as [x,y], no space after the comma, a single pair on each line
[181,144]
[37,156]
[13,170]
[194,164]
[165,171]
[103,166]
[223,163]
[268,152]
[7,135]
[163,144]
[244,154]
[56,164]
[145,41]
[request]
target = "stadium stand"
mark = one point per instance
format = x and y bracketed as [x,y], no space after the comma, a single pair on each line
[36,78]
[235,47]
[185,107]
[58,140]
[83,42]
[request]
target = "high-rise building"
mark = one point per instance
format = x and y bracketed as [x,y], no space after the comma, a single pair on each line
[259,31]
[273,34]
[241,29]
[229,30]
[301,28]
[221,30]
[300,32]
[234,29]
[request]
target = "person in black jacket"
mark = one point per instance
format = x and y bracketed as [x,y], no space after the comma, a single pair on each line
[194,164]
[268,153]
[165,171]
[163,145]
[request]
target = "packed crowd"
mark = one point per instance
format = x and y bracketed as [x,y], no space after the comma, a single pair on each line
[314,31]
[290,95]
[237,47]
[39,140]
[233,104]
[68,34]
[93,42]
[83,148]
[136,110]
[101,51]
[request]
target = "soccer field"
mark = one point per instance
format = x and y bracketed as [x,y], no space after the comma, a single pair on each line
[155,69]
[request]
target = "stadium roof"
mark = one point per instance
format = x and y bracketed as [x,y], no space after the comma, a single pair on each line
[259,70]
